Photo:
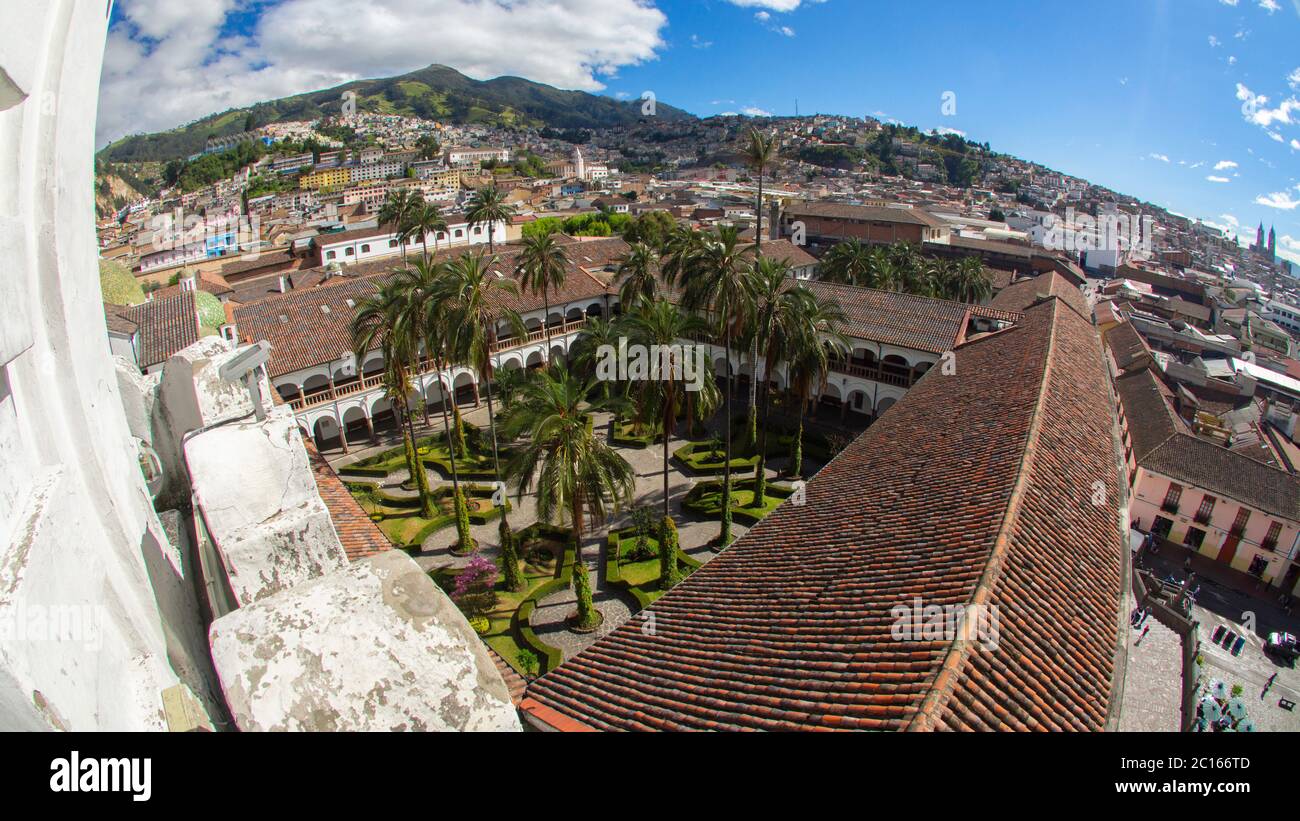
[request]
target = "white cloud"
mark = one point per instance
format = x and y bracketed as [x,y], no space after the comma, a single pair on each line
[1278,199]
[1269,6]
[696,42]
[1228,2]
[945,130]
[1293,79]
[1213,178]
[754,111]
[1254,108]
[1161,157]
[774,5]
[762,17]
[1224,165]
[1214,41]
[169,63]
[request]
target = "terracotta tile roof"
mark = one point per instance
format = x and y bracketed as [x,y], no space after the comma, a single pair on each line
[916,322]
[976,488]
[1163,444]
[864,213]
[279,260]
[302,335]
[360,536]
[167,324]
[1128,347]
[117,321]
[214,284]
[1021,295]
[308,336]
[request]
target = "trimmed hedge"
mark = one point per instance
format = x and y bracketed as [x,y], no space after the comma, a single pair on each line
[745,514]
[697,458]
[548,657]
[614,567]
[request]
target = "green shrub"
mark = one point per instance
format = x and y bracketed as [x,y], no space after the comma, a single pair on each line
[587,615]
[669,573]
[512,579]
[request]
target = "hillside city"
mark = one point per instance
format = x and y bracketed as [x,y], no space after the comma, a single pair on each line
[435,412]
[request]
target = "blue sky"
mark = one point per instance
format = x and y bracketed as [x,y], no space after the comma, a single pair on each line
[1191,104]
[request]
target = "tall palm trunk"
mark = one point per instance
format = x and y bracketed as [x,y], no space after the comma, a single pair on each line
[421,479]
[796,454]
[724,536]
[669,422]
[492,421]
[546,324]
[458,499]
[760,470]
[752,416]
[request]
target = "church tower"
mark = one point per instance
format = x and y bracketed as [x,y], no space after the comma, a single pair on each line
[580,166]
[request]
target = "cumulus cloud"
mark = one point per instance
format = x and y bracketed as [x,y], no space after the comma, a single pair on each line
[1224,165]
[1213,178]
[1278,199]
[774,5]
[169,63]
[754,111]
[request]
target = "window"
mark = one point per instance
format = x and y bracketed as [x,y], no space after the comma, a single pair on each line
[478,230]
[1194,538]
[365,249]
[1161,526]
[349,252]
[330,254]
[1207,507]
[1257,566]
[1175,493]
[1270,541]
[1239,524]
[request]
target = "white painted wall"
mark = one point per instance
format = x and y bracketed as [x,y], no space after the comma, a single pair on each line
[78,535]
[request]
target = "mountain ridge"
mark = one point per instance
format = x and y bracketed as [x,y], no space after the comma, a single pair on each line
[435,92]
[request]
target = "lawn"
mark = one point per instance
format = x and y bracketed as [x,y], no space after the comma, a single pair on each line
[640,577]
[705,499]
[541,549]
[702,458]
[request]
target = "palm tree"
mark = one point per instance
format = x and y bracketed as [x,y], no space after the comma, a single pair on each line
[967,281]
[584,353]
[638,270]
[816,341]
[759,152]
[425,309]
[718,279]
[540,267]
[487,206]
[660,326]
[471,293]
[848,263]
[396,208]
[576,472]
[423,220]
[381,321]
[776,314]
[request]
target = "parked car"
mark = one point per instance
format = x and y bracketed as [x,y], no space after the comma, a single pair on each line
[1283,645]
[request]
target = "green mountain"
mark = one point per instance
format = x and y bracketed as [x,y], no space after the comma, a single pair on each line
[436,92]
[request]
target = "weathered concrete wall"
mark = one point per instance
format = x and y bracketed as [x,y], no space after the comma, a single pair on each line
[374,646]
[97,613]
[258,497]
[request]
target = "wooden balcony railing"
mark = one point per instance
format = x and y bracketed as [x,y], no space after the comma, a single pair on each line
[425,366]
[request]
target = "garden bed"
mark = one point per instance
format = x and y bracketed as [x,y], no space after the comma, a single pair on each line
[636,574]
[705,499]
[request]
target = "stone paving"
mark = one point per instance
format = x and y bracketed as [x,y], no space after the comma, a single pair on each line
[1153,678]
[694,533]
[1228,599]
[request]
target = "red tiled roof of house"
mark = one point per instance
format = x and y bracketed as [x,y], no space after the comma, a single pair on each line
[359,536]
[308,336]
[1163,444]
[864,213]
[1019,296]
[976,488]
[167,324]
[917,322]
